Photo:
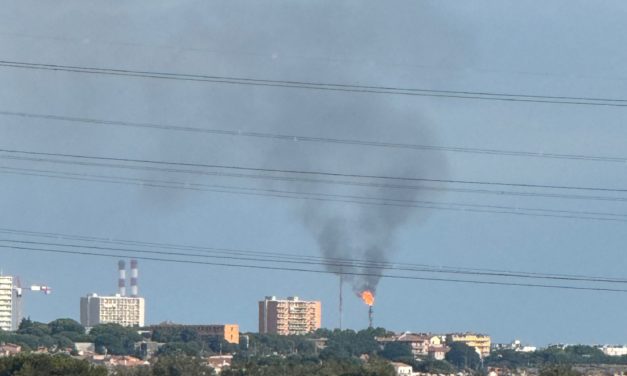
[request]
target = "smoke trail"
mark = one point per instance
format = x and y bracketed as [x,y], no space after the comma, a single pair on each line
[363,232]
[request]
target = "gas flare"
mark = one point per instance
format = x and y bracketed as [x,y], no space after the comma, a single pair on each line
[368,297]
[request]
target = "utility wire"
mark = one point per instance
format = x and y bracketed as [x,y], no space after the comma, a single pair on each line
[373,199]
[354,88]
[265,267]
[301,138]
[350,199]
[283,255]
[340,267]
[280,255]
[43,157]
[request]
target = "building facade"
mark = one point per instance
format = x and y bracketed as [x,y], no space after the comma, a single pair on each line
[481,342]
[614,350]
[418,343]
[117,309]
[227,332]
[7,304]
[289,316]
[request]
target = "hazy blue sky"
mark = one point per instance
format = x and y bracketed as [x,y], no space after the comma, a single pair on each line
[561,48]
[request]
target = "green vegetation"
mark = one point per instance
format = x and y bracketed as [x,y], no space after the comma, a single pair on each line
[463,356]
[185,341]
[52,365]
[114,339]
[559,370]
[180,366]
[61,334]
[298,366]
[552,355]
[324,352]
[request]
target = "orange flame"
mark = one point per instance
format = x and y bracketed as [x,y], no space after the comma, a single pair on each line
[368,297]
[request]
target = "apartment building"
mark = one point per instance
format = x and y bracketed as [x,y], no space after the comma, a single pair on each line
[289,316]
[480,342]
[117,309]
[7,304]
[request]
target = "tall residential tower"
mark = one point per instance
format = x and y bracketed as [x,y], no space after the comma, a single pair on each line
[289,316]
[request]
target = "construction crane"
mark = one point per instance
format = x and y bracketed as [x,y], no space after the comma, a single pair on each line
[18,291]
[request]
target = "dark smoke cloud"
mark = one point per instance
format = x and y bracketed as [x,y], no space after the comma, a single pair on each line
[355,231]
[327,41]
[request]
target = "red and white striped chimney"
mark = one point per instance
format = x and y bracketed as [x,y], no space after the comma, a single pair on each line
[134,276]
[122,278]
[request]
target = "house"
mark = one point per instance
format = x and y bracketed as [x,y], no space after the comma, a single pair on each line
[437,352]
[84,348]
[9,349]
[402,369]
[419,343]
[219,362]
[124,361]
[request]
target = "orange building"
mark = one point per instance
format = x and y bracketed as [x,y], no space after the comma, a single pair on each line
[289,316]
[228,332]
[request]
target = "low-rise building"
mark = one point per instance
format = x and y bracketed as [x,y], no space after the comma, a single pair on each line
[419,343]
[438,352]
[516,345]
[219,362]
[614,350]
[8,349]
[85,348]
[227,332]
[481,342]
[402,369]
[147,349]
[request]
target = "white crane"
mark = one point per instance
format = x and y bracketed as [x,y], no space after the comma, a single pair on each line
[18,290]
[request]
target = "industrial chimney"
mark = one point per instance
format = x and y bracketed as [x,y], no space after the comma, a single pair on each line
[134,275]
[122,278]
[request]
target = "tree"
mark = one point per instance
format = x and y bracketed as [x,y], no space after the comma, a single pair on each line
[42,364]
[65,326]
[463,356]
[396,350]
[181,366]
[559,370]
[434,366]
[184,348]
[114,339]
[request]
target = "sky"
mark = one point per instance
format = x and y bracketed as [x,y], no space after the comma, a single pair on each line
[556,48]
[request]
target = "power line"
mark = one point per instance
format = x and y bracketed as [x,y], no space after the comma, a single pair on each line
[264,267]
[41,158]
[350,199]
[283,255]
[301,138]
[475,95]
[179,184]
[342,266]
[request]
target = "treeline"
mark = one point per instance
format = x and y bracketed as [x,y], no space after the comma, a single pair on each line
[31,364]
[579,354]
[61,334]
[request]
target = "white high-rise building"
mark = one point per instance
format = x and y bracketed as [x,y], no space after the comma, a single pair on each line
[117,309]
[7,304]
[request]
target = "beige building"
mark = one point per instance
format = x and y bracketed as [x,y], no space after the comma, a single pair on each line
[117,309]
[289,316]
[480,342]
[7,304]
[419,343]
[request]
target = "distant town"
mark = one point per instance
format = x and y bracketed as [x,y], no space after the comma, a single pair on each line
[112,337]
